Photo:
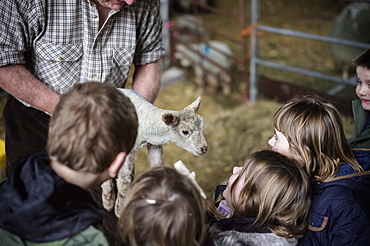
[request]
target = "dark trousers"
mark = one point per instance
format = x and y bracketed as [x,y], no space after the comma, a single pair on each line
[26,131]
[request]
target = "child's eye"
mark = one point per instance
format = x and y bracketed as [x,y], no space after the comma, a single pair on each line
[359,82]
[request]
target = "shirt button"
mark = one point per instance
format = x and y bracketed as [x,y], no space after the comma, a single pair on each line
[60,58]
[95,16]
[95,75]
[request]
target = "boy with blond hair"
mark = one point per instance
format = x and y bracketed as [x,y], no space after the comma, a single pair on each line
[45,197]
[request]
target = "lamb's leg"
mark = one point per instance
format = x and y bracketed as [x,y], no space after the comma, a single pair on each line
[124,179]
[155,153]
[212,83]
[226,83]
[199,80]
[108,194]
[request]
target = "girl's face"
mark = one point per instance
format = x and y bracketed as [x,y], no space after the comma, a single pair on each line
[279,143]
[363,86]
[231,196]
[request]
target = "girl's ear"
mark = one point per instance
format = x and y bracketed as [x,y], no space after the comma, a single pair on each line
[116,165]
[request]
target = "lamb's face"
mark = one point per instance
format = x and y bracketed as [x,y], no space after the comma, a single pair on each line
[190,131]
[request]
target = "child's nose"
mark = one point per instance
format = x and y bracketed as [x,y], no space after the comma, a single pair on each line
[237,170]
[270,142]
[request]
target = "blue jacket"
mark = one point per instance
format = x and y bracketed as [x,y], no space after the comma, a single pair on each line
[340,210]
[363,158]
[38,206]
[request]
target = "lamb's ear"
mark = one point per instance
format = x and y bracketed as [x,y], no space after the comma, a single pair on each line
[194,106]
[170,119]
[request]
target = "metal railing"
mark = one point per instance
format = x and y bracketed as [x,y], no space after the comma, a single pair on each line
[255,61]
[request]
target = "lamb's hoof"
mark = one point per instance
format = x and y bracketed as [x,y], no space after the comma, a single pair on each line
[108,195]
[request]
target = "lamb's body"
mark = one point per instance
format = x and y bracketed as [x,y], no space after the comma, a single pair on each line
[156,127]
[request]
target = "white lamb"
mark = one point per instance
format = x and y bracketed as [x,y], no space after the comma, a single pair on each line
[156,127]
[210,61]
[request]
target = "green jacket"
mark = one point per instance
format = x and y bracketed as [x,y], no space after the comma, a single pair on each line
[359,140]
[91,236]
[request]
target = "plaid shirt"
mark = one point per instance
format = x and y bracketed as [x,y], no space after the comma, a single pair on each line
[61,44]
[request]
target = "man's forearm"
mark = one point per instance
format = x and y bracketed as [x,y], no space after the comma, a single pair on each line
[147,80]
[20,83]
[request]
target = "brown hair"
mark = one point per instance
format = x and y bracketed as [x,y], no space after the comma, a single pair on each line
[276,192]
[316,137]
[91,124]
[162,207]
[362,60]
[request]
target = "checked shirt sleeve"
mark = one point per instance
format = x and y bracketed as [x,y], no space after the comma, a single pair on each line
[18,27]
[149,44]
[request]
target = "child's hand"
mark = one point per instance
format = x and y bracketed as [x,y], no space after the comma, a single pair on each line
[181,168]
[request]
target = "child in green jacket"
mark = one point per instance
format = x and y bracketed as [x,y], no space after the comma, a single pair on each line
[360,141]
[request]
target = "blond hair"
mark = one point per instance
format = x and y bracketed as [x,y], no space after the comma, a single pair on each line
[162,207]
[91,124]
[276,192]
[316,137]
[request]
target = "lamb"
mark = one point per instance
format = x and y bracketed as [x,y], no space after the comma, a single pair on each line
[210,62]
[156,127]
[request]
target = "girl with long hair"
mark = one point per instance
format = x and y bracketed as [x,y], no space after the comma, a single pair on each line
[310,130]
[265,203]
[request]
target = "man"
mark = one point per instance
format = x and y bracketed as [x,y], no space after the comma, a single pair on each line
[47,46]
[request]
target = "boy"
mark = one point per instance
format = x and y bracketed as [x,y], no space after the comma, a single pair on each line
[45,197]
[360,141]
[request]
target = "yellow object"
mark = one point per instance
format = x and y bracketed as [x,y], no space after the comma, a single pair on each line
[2,154]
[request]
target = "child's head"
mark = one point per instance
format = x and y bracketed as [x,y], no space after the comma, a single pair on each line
[91,124]
[362,64]
[162,207]
[362,60]
[311,131]
[273,189]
